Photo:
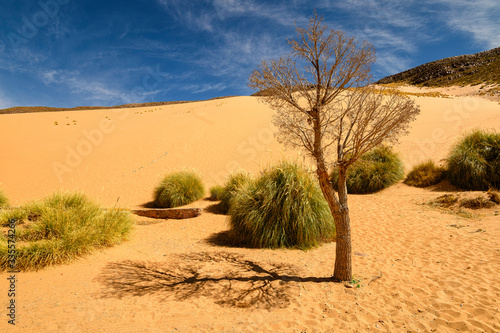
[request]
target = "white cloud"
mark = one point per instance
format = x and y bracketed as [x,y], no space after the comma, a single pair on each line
[388,63]
[480,18]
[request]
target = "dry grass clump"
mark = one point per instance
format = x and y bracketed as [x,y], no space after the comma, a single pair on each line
[425,174]
[178,189]
[476,203]
[455,201]
[57,230]
[284,207]
[4,201]
[494,196]
[446,200]
[474,162]
[374,171]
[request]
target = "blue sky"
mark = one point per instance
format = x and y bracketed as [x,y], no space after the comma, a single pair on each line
[67,53]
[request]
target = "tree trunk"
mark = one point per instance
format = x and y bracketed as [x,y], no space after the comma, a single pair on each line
[343,263]
[343,259]
[340,213]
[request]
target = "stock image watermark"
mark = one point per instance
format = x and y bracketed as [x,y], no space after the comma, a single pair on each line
[30,25]
[90,139]
[12,277]
[451,122]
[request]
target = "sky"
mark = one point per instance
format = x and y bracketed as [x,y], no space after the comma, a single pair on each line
[67,53]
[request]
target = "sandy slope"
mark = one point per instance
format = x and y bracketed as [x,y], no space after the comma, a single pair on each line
[417,272]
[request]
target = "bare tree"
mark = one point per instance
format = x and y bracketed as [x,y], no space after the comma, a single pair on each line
[326,105]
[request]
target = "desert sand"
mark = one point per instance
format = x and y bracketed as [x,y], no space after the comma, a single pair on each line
[420,269]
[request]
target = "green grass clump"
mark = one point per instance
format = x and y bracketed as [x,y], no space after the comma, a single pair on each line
[216,192]
[284,207]
[374,171]
[474,162]
[178,189]
[58,229]
[235,182]
[4,201]
[425,174]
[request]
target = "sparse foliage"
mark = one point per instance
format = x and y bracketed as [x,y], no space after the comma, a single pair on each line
[325,104]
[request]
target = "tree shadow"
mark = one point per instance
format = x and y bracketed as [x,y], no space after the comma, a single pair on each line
[228,278]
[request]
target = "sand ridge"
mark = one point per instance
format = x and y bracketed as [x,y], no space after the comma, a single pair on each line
[417,272]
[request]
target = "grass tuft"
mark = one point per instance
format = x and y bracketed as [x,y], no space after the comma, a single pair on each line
[235,182]
[4,201]
[425,174]
[373,172]
[474,162]
[178,189]
[284,207]
[216,193]
[59,229]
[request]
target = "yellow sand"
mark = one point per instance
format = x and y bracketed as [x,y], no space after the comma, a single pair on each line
[417,273]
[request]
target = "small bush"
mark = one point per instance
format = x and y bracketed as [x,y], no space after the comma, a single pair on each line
[216,193]
[374,171]
[284,207]
[446,200]
[476,203]
[425,174]
[59,229]
[3,199]
[474,162]
[178,189]
[235,182]
[494,196]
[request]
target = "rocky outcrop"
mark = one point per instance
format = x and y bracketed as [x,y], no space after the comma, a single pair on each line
[169,213]
[483,67]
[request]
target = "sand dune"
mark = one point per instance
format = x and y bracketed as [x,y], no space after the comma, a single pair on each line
[418,272]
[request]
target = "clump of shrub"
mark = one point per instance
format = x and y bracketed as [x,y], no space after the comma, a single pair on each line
[4,201]
[373,172]
[234,183]
[284,207]
[476,203]
[446,200]
[216,193]
[178,189]
[456,201]
[494,196]
[58,229]
[425,174]
[474,162]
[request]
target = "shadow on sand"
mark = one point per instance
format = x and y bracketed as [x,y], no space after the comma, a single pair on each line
[228,278]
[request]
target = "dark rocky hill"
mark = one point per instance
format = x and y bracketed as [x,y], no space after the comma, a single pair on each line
[469,69]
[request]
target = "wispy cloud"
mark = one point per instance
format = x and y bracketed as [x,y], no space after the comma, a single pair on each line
[93,91]
[480,18]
